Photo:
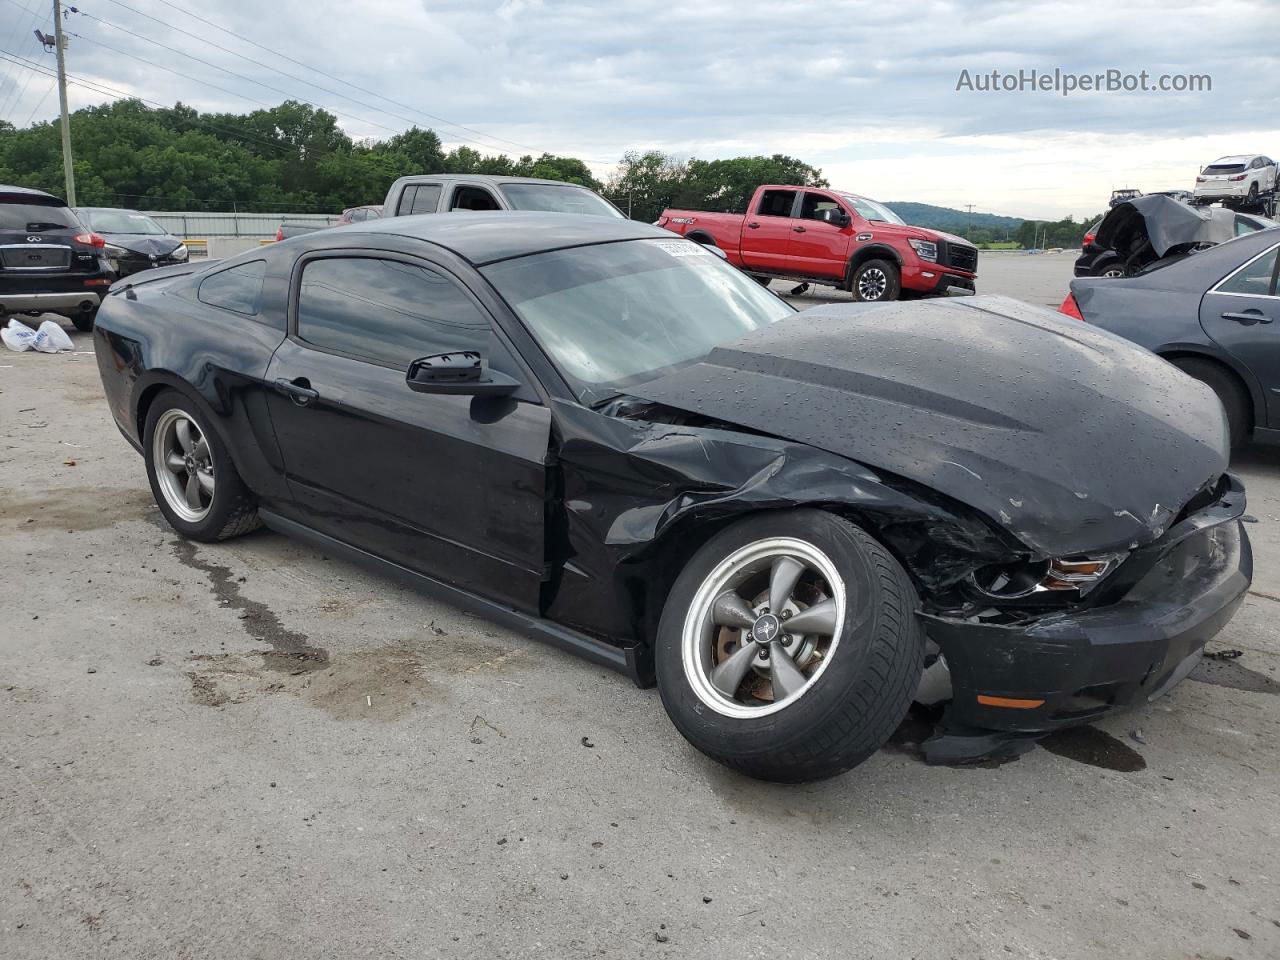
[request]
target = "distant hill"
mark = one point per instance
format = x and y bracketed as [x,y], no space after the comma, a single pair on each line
[951,221]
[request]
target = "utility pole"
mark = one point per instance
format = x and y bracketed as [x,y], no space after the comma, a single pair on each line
[60,42]
[969,226]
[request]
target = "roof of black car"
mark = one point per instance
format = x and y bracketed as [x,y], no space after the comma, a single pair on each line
[26,192]
[488,236]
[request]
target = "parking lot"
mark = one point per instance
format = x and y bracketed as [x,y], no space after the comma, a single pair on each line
[174,787]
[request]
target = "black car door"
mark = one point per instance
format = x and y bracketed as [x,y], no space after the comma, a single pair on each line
[1242,314]
[449,486]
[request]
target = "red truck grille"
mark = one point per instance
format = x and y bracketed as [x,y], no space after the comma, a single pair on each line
[962,257]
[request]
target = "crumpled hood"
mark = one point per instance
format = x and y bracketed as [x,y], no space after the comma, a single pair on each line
[145,244]
[1072,439]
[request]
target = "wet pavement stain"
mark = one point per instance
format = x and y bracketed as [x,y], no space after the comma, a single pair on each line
[290,652]
[1094,747]
[77,508]
[1229,673]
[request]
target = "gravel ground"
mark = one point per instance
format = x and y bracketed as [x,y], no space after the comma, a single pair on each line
[169,788]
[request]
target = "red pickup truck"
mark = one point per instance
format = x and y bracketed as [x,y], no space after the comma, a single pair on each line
[835,238]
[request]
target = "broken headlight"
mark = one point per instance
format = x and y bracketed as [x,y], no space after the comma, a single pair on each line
[1016,581]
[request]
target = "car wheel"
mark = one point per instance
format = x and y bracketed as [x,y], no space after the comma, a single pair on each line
[1253,193]
[192,477]
[1232,395]
[789,648]
[1111,271]
[874,281]
[84,321]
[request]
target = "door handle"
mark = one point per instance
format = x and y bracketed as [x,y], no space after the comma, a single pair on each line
[299,391]
[753,225]
[798,229]
[1248,317]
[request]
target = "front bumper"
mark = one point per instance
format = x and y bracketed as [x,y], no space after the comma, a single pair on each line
[128,266]
[1070,667]
[939,281]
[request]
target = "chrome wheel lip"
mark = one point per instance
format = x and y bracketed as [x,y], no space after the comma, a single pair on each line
[872,284]
[172,480]
[698,632]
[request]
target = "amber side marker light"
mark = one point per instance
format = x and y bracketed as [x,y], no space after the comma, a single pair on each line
[1013,703]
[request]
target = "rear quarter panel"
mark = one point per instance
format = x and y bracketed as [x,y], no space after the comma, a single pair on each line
[724,228]
[163,337]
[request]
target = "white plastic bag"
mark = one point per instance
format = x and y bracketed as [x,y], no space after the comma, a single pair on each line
[51,338]
[18,336]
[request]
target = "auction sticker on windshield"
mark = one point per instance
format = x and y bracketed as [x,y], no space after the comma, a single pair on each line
[682,248]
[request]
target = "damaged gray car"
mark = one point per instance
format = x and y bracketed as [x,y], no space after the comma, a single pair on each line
[797,524]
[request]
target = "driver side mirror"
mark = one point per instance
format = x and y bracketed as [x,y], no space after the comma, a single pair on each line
[463,372]
[834,215]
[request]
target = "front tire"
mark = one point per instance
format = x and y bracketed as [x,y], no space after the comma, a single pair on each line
[84,321]
[193,480]
[1235,401]
[800,705]
[875,281]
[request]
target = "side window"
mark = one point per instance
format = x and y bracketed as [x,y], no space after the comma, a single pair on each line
[473,198]
[818,207]
[1256,279]
[776,203]
[1245,225]
[387,311]
[419,198]
[238,289]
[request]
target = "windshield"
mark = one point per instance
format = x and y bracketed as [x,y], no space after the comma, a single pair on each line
[36,217]
[870,210]
[1225,167]
[616,314]
[122,221]
[557,198]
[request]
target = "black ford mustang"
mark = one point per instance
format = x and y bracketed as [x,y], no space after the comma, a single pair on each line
[609,437]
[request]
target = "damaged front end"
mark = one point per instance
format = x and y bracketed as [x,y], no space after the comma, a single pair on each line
[1034,669]
[644,484]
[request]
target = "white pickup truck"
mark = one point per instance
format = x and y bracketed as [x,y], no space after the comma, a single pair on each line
[445,193]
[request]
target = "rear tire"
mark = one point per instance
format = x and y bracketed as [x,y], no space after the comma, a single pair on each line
[875,282]
[855,686]
[205,499]
[1235,401]
[84,321]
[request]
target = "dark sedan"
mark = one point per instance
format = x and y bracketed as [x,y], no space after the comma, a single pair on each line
[1210,315]
[134,241]
[608,437]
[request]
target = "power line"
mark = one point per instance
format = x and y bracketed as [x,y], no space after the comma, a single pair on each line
[160,66]
[373,93]
[19,93]
[101,88]
[267,66]
[215,66]
[40,102]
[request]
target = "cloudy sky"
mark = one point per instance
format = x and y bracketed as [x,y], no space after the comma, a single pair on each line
[865,91]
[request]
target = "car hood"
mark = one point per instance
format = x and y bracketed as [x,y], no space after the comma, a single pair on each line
[146,244]
[924,233]
[1070,438]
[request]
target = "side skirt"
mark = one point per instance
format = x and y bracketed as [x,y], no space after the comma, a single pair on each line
[624,660]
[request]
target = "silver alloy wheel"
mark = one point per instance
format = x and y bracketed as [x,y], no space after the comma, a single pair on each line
[872,284]
[750,657]
[183,465]
[1112,272]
